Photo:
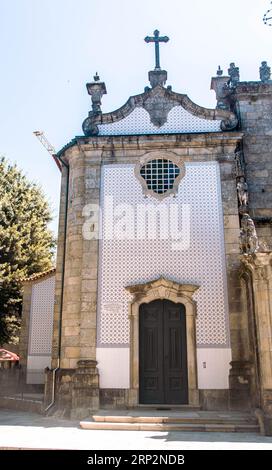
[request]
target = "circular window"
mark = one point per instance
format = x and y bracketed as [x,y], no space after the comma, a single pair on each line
[160,175]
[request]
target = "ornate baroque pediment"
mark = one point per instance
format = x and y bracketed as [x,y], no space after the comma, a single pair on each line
[158,102]
[162,289]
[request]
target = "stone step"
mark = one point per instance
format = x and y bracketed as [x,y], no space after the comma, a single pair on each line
[174,419]
[167,407]
[144,426]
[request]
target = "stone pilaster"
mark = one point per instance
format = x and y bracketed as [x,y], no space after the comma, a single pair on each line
[260,266]
[239,393]
[77,381]
[59,267]
[90,247]
[71,309]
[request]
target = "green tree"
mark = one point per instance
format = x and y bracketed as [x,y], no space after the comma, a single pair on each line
[26,243]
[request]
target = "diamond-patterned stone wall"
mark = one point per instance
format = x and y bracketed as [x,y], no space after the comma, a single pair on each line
[41,317]
[132,261]
[178,121]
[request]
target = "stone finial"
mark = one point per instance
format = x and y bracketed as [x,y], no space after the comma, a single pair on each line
[265,72]
[219,71]
[96,89]
[248,236]
[234,75]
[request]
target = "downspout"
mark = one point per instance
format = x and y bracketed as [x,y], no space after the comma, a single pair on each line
[53,396]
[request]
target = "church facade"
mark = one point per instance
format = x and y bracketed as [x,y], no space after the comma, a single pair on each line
[162,292]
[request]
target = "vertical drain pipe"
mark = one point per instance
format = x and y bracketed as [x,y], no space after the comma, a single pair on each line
[53,396]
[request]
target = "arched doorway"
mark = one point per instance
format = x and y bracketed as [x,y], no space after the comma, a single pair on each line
[163,376]
[162,289]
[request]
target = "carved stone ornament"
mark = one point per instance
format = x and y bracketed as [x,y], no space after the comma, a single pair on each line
[239,164]
[242,190]
[158,106]
[163,155]
[229,124]
[265,72]
[162,289]
[259,264]
[248,236]
[88,126]
[234,75]
[157,77]
[96,89]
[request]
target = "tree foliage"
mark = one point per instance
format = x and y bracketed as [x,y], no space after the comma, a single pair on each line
[26,243]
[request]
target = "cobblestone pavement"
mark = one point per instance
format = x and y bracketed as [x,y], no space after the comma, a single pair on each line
[24,430]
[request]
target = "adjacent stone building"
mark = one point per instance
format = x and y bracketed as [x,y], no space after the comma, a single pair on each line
[164,276]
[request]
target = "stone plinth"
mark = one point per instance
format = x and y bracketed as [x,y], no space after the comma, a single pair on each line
[85,394]
[76,390]
[240,381]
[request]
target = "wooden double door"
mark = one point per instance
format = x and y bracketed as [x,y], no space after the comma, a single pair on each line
[163,377]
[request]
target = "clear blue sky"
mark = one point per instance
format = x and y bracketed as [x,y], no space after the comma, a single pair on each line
[51,48]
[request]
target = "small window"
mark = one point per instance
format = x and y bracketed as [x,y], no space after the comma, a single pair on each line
[160,175]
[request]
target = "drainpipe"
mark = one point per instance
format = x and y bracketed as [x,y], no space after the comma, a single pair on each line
[53,397]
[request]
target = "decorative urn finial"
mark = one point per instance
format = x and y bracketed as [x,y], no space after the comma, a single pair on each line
[96,89]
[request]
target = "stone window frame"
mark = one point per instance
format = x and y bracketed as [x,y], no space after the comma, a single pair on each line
[160,155]
[178,293]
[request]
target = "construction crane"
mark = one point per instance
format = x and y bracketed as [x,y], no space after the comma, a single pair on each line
[49,147]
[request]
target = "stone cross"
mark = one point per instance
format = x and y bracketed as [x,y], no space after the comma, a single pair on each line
[157,39]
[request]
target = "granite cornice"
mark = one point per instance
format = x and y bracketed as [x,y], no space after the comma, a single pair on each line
[247,89]
[185,140]
[98,145]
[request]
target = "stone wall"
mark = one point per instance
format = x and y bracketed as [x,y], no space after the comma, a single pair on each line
[254,106]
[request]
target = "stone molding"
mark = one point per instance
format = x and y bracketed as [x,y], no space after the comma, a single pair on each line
[155,156]
[178,293]
[114,144]
[253,88]
[259,264]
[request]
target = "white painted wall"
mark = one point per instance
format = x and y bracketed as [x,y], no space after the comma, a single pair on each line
[213,368]
[113,366]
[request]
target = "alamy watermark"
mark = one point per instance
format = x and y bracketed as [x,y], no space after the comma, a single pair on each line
[150,221]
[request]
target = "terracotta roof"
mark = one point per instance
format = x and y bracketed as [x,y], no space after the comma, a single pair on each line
[36,276]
